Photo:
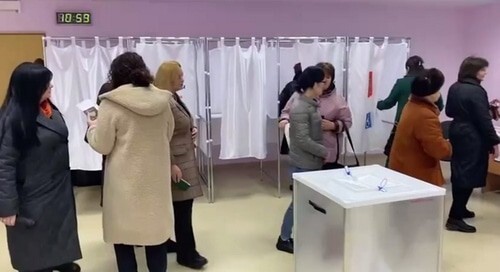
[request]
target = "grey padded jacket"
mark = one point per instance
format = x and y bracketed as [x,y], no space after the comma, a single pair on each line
[306,136]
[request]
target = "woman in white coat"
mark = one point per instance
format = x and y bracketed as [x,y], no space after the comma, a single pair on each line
[133,130]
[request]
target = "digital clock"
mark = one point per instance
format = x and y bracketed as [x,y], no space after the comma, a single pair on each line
[74,18]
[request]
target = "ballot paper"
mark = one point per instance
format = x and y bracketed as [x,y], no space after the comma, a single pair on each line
[89,107]
[287,133]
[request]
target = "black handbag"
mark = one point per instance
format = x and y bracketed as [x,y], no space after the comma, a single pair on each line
[336,164]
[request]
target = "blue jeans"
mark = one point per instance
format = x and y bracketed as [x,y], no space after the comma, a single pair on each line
[287,225]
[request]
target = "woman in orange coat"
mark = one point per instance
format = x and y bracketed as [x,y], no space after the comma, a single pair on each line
[419,145]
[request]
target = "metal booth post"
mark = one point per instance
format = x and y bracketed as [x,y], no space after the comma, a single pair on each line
[276,42]
[278,67]
[208,123]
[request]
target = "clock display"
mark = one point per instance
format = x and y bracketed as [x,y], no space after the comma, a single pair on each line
[74,18]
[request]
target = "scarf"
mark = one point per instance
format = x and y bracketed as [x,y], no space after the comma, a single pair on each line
[46,108]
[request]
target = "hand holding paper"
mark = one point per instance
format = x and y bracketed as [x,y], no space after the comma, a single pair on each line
[90,109]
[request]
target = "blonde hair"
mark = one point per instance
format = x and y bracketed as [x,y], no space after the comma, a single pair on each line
[166,75]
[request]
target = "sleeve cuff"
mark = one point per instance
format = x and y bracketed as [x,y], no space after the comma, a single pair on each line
[8,208]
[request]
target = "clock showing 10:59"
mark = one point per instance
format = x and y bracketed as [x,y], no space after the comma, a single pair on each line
[74,18]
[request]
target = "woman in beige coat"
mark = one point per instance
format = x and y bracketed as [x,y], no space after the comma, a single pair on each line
[170,77]
[133,130]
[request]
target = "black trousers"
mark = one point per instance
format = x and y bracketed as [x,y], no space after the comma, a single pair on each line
[186,245]
[460,199]
[388,145]
[156,257]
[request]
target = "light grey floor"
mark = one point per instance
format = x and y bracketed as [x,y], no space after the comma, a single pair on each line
[239,231]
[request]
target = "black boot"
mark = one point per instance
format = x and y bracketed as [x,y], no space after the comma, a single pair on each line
[69,267]
[468,214]
[285,246]
[459,225]
[198,262]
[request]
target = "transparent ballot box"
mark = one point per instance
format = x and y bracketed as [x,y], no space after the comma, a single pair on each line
[367,219]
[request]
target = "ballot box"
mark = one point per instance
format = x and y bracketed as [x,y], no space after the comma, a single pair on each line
[367,219]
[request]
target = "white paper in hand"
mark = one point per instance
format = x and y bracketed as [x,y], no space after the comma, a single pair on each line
[287,133]
[88,107]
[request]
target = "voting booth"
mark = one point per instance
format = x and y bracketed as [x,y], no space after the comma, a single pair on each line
[367,219]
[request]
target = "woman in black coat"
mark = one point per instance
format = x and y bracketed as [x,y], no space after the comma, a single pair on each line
[36,195]
[472,136]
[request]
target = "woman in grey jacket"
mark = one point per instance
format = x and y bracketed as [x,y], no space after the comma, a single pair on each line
[307,152]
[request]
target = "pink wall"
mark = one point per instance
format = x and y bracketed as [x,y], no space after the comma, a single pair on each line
[483,39]
[436,32]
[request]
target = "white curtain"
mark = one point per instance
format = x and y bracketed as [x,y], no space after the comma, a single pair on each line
[217,79]
[288,58]
[154,54]
[377,136]
[201,92]
[309,54]
[373,70]
[390,67]
[360,61]
[79,73]
[243,128]
[272,88]
[394,68]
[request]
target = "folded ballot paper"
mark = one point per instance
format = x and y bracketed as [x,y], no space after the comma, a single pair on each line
[89,107]
[287,133]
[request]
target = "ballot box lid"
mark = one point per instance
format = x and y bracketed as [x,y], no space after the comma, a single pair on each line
[367,186]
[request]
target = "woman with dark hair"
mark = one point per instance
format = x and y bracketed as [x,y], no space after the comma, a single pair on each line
[183,159]
[36,195]
[335,113]
[419,145]
[284,97]
[133,129]
[472,136]
[400,94]
[307,152]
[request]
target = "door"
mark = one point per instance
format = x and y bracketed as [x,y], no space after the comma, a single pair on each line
[16,48]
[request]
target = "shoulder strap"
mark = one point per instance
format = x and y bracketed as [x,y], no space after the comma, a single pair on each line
[350,142]
[346,130]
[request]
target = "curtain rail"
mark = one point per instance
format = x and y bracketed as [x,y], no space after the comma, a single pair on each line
[284,39]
